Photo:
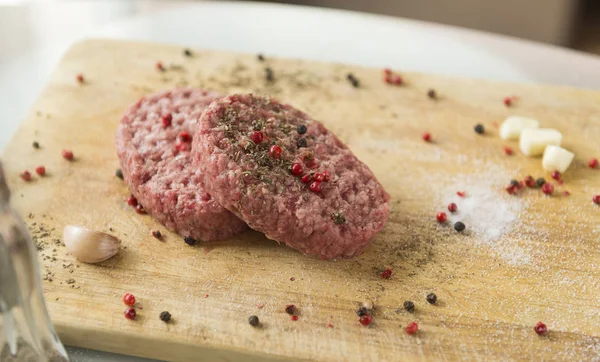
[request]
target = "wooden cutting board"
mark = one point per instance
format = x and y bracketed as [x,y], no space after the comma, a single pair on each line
[523,258]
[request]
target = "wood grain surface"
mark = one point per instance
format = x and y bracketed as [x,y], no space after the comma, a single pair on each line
[523,258]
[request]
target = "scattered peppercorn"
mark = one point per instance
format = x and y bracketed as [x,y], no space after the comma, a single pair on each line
[338,217]
[387,273]
[157,234]
[596,199]
[67,154]
[365,319]
[119,173]
[540,328]
[275,152]
[391,78]
[140,209]
[508,151]
[261,58]
[566,193]
[355,83]
[36,145]
[306,178]
[290,309]
[593,163]
[530,181]
[165,316]
[160,67]
[511,189]
[326,176]
[167,119]
[459,226]
[132,201]
[301,143]
[452,207]
[315,187]
[80,78]
[412,328]
[508,101]
[297,169]
[129,299]
[187,52]
[432,94]
[40,170]
[257,137]
[409,306]
[269,74]
[555,175]
[441,216]
[130,313]
[479,128]
[426,136]
[548,188]
[184,136]
[25,175]
[189,240]
[431,298]
[461,193]
[253,320]
[362,311]
[540,181]
[318,177]
[294,318]
[301,129]
[514,183]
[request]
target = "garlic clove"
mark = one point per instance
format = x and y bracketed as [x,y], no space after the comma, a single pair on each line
[90,246]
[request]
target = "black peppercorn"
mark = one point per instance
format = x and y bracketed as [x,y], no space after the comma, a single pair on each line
[290,309]
[190,241]
[355,83]
[362,311]
[261,58]
[409,306]
[253,320]
[269,74]
[459,226]
[431,298]
[479,128]
[165,316]
[187,52]
[119,173]
[540,181]
[432,94]
[301,129]
[301,142]
[514,183]
[338,218]
[36,144]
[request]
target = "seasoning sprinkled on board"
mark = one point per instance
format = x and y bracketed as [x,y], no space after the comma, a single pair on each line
[119,173]
[432,94]
[187,52]
[165,316]
[36,145]
[353,80]
[409,306]
[253,321]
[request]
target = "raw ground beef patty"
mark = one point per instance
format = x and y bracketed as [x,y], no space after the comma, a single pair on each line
[247,176]
[154,152]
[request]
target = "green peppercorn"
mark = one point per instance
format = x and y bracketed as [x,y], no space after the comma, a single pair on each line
[409,306]
[119,173]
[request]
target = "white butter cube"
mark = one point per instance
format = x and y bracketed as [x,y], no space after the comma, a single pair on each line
[557,158]
[533,142]
[512,127]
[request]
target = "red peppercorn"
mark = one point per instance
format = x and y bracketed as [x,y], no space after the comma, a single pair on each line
[132,201]
[511,189]
[130,313]
[306,178]
[548,188]
[508,101]
[555,175]
[540,328]
[257,137]
[319,177]
[412,328]
[326,176]
[67,154]
[25,175]
[40,170]
[129,299]
[593,163]
[461,193]
[508,151]
[275,152]
[140,209]
[185,136]
[167,119]
[530,181]
[160,66]
[315,187]
[157,234]
[80,78]
[441,216]
[387,273]
[366,319]
[387,71]
[566,193]
[294,318]
[426,136]
[452,207]
[596,199]
[297,169]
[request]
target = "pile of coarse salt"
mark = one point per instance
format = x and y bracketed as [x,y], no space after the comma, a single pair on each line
[489,213]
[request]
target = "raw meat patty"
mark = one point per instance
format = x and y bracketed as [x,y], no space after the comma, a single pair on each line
[156,164]
[246,178]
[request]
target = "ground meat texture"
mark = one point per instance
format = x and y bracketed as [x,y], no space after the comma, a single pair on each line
[157,166]
[337,222]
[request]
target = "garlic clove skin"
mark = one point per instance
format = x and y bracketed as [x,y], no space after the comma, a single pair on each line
[90,246]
